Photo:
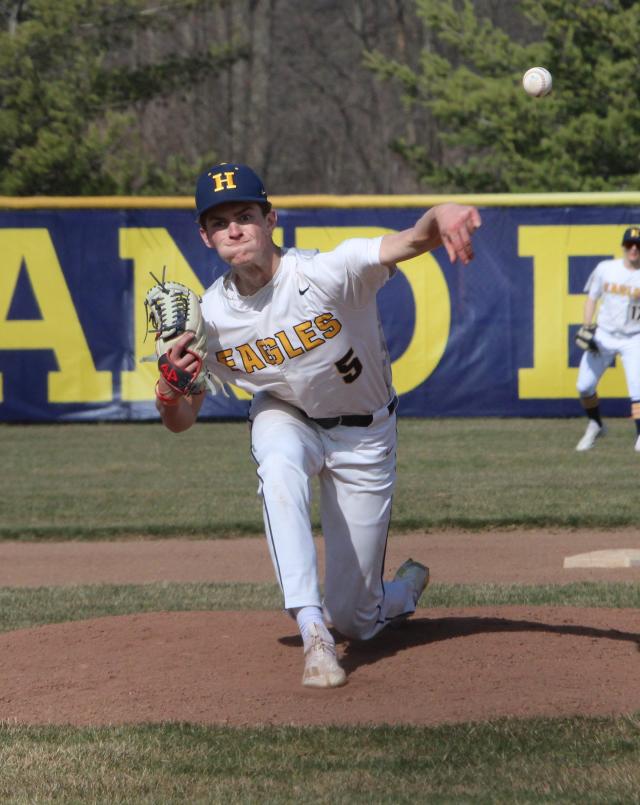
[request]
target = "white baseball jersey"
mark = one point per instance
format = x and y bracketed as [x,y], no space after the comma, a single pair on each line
[618,288]
[312,336]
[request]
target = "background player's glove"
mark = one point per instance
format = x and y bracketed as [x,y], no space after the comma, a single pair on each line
[173,309]
[585,337]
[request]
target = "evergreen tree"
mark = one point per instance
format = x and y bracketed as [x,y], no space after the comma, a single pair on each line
[492,137]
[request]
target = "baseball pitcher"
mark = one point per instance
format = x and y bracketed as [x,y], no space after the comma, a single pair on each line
[300,331]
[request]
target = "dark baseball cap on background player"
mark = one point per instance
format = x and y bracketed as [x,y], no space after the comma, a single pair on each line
[229,181]
[631,235]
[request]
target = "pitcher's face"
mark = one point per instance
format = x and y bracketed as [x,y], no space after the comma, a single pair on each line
[240,232]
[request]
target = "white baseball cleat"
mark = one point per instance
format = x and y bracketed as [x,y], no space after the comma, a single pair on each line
[637,447]
[416,574]
[593,432]
[321,668]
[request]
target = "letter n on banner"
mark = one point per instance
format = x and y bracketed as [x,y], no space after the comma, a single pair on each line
[151,250]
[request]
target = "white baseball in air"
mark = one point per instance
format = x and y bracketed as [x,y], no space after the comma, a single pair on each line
[537,82]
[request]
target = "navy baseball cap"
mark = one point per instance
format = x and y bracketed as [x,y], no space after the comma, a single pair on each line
[631,235]
[228,181]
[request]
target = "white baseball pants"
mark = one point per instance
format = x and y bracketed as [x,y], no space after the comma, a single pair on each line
[593,365]
[356,471]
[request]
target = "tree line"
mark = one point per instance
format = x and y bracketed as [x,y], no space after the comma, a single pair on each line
[122,97]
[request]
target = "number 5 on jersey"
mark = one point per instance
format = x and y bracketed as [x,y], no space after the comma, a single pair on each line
[349,367]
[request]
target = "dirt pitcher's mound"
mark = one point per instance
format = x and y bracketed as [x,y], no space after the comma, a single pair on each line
[244,668]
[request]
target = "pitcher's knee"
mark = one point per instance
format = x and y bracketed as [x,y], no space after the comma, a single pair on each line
[589,400]
[354,623]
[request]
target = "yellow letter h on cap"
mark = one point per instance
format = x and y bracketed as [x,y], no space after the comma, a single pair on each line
[223,181]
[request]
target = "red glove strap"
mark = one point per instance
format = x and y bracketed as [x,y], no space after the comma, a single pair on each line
[176,378]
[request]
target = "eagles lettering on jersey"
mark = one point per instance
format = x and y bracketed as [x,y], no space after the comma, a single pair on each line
[621,290]
[273,350]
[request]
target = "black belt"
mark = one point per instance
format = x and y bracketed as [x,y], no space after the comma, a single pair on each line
[352,420]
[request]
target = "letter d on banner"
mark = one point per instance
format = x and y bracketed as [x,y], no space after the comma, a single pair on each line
[432,323]
[430,296]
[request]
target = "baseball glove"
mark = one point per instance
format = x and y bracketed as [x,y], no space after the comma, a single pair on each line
[585,337]
[173,309]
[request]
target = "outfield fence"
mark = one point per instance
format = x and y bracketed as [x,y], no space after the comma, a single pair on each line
[494,338]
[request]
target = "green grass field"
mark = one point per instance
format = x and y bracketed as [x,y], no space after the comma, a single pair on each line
[539,760]
[106,480]
[115,480]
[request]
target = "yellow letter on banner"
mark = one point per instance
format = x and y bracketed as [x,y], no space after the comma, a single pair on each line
[59,328]
[151,249]
[555,309]
[430,296]
[432,323]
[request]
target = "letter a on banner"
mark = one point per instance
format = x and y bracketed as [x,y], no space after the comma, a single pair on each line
[59,328]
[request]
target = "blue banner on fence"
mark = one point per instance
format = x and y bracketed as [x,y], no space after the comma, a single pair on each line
[494,338]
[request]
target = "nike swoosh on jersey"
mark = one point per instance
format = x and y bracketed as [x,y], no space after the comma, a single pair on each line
[302,293]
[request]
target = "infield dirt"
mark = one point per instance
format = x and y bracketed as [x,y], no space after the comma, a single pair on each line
[443,665]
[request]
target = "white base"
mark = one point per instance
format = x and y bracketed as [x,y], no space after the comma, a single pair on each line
[623,557]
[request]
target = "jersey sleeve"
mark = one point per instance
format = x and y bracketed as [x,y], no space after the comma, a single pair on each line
[593,286]
[352,273]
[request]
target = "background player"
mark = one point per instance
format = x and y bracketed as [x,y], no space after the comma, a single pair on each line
[616,283]
[300,331]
